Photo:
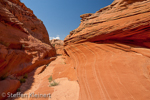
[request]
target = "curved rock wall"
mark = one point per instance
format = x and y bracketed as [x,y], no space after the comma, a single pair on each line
[110,52]
[123,20]
[24,41]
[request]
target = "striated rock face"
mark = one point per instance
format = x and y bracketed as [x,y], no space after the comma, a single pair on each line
[58,44]
[24,41]
[110,71]
[123,20]
[111,52]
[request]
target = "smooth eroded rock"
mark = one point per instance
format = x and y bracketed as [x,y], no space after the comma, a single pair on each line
[58,44]
[110,52]
[123,21]
[8,87]
[24,41]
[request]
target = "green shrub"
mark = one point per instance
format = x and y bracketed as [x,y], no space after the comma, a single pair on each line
[18,90]
[25,76]
[54,83]
[53,45]
[23,46]
[47,64]
[5,43]
[22,80]
[3,77]
[50,78]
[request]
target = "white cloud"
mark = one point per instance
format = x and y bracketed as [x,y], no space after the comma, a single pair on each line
[57,37]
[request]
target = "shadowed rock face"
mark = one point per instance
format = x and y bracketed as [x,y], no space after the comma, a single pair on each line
[8,86]
[110,52]
[24,44]
[24,41]
[123,20]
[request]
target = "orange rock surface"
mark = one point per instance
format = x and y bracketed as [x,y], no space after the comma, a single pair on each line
[8,87]
[24,44]
[106,58]
[24,41]
[38,82]
[111,71]
[123,21]
[58,44]
[110,52]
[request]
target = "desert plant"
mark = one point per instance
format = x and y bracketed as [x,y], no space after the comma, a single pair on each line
[47,64]
[25,76]
[53,45]
[5,43]
[3,77]
[18,90]
[22,80]
[54,83]
[23,46]
[50,78]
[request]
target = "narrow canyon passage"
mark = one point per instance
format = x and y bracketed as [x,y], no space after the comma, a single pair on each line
[109,72]
[107,56]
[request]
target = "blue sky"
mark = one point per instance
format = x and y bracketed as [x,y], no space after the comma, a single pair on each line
[62,16]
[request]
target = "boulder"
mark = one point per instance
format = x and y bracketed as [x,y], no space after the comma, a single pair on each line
[8,87]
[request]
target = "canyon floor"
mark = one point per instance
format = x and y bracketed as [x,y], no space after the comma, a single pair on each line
[106,58]
[94,71]
[38,82]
